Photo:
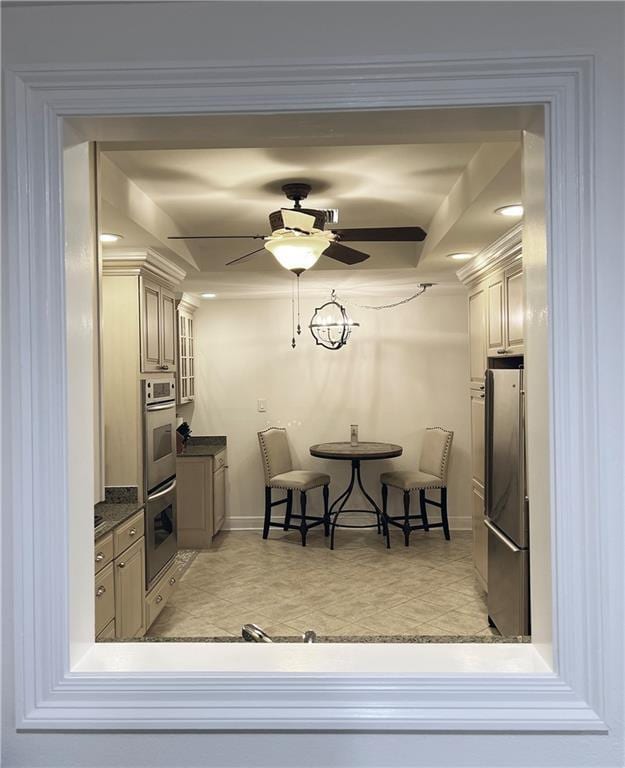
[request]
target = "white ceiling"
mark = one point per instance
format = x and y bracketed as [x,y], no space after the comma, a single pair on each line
[449,187]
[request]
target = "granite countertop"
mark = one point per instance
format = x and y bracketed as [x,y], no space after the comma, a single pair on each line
[344,639]
[113,514]
[203,445]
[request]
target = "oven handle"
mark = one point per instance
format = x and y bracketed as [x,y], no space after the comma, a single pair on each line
[161,406]
[163,492]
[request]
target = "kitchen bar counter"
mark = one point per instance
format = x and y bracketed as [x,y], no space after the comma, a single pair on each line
[203,445]
[114,514]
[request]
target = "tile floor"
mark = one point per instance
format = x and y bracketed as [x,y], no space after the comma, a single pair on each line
[359,589]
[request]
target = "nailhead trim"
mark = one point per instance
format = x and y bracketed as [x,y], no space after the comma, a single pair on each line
[445,455]
[264,452]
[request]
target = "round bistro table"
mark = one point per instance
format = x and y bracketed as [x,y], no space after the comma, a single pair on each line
[355,454]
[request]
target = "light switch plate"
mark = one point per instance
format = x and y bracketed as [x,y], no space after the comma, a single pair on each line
[261,405]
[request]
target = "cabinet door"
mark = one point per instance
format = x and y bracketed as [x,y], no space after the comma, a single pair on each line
[194,496]
[219,499]
[480,538]
[477,334]
[150,326]
[186,373]
[495,316]
[513,279]
[477,436]
[168,336]
[104,598]
[130,591]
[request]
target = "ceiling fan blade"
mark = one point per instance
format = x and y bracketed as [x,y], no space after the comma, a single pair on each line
[381,235]
[344,254]
[216,237]
[245,256]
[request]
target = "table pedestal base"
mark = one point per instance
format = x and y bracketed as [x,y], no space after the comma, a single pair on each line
[342,500]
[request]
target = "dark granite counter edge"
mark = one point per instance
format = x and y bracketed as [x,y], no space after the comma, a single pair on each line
[203,445]
[419,639]
[114,515]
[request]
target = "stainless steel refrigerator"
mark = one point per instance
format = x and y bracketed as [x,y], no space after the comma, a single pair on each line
[507,507]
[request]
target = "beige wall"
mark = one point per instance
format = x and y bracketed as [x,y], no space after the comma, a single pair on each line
[404,369]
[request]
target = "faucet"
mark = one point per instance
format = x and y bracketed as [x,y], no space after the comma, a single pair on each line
[252,633]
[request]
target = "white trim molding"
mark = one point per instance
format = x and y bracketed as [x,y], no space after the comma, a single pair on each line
[499,254]
[468,688]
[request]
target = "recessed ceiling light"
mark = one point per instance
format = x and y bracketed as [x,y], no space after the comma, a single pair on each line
[109,237]
[209,295]
[516,209]
[460,256]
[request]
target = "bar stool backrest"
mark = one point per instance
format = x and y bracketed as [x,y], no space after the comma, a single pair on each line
[274,449]
[435,452]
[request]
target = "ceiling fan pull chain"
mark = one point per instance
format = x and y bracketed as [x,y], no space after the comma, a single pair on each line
[293,315]
[299,327]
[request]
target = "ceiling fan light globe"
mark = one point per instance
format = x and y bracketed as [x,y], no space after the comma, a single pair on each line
[297,253]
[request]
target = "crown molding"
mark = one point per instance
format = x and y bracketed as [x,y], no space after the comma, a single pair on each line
[141,261]
[498,255]
[187,302]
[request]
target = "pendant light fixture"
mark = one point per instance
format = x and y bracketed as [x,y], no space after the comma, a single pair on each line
[331,326]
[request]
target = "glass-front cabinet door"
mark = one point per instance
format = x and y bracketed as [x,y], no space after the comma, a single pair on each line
[186,351]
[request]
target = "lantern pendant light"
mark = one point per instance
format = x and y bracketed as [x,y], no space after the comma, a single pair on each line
[331,325]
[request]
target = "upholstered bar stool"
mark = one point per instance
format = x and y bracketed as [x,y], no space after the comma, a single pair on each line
[279,473]
[432,473]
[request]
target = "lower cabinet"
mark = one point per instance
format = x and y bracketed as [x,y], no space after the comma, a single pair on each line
[156,599]
[480,537]
[120,581]
[130,591]
[201,487]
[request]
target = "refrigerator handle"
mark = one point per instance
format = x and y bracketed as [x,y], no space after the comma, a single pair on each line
[522,442]
[504,540]
[488,438]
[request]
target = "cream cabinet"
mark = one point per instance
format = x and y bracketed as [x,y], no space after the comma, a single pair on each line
[138,337]
[120,581]
[477,334]
[505,312]
[186,348]
[156,599]
[495,282]
[201,486]
[157,327]
[129,569]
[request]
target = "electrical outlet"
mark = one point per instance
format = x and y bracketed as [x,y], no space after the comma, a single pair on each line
[261,405]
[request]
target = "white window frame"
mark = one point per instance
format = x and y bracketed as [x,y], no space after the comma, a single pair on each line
[66,682]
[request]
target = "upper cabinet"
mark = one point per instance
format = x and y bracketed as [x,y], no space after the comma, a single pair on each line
[505,311]
[186,348]
[158,327]
[477,334]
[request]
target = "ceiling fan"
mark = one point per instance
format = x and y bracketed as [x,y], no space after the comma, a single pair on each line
[298,237]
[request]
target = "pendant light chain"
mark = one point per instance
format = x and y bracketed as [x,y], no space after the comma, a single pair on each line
[299,327]
[422,289]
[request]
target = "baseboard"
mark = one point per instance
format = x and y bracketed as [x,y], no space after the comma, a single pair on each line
[255,523]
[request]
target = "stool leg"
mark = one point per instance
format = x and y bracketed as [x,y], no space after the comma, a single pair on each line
[444,513]
[303,527]
[424,513]
[385,524]
[267,512]
[406,518]
[289,510]
[326,510]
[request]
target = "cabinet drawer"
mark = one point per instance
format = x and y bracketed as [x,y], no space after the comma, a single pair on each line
[104,598]
[157,597]
[103,552]
[220,460]
[127,533]
[108,633]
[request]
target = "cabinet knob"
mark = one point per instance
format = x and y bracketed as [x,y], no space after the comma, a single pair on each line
[121,565]
[100,591]
[132,532]
[164,367]
[502,351]
[159,599]
[483,386]
[172,581]
[482,396]
[99,557]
